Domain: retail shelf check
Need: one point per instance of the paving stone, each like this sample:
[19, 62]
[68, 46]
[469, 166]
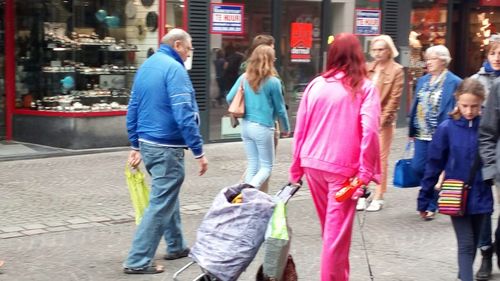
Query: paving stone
[191, 207]
[120, 217]
[98, 219]
[55, 223]
[57, 228]
[77, 221]
[10, 235]
[34, 231]
[81, 225]
[12, 229]
[34, 226]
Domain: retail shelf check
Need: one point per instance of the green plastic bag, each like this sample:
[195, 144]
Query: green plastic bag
[139, 192]
[277, 225]
[277, 244]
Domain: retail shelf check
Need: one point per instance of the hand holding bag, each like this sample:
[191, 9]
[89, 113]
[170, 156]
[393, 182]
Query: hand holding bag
[404, 176]
[453, 195]
[237, 107]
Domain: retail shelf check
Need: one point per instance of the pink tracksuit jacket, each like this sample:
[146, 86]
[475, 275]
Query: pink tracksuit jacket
[337, 131]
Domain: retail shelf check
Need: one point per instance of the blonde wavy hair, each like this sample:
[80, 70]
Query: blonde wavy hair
[260, 66]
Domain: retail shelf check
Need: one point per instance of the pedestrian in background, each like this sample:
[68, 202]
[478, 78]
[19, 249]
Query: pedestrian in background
[263, 102]
[220, 64]
[486, 75]
[268, 40]
[261, 39]
[453, 149]
[163, 121]
[432, 102]
[335, 139]
[388, 76]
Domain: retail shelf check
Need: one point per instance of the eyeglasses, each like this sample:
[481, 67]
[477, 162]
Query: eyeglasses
[495, 38]
[428, 59]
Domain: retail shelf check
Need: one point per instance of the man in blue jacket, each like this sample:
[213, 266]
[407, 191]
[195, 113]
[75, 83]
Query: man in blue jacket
[163, 121]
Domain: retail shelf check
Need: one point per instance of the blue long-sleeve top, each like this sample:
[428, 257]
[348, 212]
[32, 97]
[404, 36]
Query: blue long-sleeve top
[453, 149]
[265, 105]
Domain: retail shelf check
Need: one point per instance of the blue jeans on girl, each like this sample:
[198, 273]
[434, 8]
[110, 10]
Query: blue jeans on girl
[259, 147]
[467, 229]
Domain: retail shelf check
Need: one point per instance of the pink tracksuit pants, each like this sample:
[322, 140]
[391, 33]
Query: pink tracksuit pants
[336, 219]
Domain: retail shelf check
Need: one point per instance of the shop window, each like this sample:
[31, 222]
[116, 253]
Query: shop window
[80, 56]
[228, 51]
[300, 49]
[428, 28]
[484, 22]
[175, 14]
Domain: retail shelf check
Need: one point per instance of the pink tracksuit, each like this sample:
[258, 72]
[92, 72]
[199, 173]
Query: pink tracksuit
[335, 138]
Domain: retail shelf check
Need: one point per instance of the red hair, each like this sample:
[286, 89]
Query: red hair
[345, 55]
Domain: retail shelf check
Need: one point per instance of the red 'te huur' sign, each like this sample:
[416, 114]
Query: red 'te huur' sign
[301, 35]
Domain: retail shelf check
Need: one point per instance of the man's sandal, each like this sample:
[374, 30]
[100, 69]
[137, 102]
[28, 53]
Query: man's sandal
[153, 269]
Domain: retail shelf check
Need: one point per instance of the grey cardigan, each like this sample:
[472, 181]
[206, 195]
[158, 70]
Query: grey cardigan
[489, 132]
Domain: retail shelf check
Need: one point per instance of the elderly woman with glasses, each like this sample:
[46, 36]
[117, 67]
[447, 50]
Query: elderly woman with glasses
[388, 76]
[433, 100]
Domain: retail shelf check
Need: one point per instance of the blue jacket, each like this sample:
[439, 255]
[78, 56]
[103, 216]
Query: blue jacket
[162, 108]
[450, 85]
[453, 149]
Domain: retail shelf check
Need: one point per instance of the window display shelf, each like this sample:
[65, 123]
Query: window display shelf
[56, 113]
[62, 49]
[94, 44]
[58, 71]
[122, 50]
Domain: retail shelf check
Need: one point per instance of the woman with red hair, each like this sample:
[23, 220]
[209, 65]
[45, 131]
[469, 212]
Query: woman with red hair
[336, 145]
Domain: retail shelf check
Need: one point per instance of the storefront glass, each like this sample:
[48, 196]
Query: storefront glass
[80, 56]
[484, 21]
[428, 28]
[228, 51]
[299, 63]
[300, 49]
[175, 13]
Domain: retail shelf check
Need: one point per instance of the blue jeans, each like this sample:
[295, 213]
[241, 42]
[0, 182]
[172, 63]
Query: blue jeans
[485, 237]
[418, 165]
[165, 165]
[467, 229]
[259, 147]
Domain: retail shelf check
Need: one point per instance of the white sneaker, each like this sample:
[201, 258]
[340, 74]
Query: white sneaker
[375, 206]
[361, 205]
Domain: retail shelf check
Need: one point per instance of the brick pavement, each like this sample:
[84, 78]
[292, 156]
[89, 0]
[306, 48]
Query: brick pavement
[70, 218]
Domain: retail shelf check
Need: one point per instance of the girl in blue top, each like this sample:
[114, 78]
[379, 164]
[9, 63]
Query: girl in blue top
[263, 104]
[453, 150]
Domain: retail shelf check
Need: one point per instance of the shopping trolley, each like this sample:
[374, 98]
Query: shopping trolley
[231, 234]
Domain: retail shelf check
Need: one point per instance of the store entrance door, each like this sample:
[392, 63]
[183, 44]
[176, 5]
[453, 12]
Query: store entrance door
[2, 72]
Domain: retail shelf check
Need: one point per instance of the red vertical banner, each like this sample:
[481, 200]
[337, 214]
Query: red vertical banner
[301, 37]
[10, 65]
[162, 20]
